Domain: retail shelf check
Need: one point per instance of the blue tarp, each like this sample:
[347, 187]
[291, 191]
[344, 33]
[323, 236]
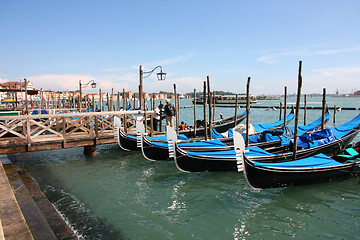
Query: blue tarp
[263, 127]
[230, 132]
[317, 161]
[345, 128]
[36, 111]
[202, 144]
[132, 109]
[268, 136]
[271, 135]
[315, 139]
[312, 125]
[253, 151]
[215, 134]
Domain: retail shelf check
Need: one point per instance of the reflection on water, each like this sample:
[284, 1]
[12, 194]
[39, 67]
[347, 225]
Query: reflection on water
[120, 195]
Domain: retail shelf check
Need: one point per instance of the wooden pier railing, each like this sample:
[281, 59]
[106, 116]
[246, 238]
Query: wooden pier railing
[28, 133]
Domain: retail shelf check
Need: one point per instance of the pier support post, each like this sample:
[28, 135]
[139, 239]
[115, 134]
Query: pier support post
[90, 151]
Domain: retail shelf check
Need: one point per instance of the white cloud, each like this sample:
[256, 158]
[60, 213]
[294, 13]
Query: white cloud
[59, 82]
[275, 57]
[183, 84]
[116, 69]
[71, 82]
[332, 79]
[170, 61]
[3, 80]
[162, 62]
[346, 71]
[335, 51]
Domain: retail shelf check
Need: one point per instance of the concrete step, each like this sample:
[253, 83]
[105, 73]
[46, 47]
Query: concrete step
[36, 221]
[13, 222]
[52, 216]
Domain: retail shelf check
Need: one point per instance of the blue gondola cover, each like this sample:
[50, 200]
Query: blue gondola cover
[317, 161]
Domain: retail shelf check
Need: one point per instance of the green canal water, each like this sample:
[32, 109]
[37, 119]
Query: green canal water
[120, 195]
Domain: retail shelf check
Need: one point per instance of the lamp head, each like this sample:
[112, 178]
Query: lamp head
[161, 75]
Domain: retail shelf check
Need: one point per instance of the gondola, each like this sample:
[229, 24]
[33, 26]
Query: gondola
[315, 169]
[129, 142]
[188, 161]
[221, 125]
[155, 151]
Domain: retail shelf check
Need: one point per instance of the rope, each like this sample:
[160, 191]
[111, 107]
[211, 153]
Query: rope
[354, 161]
[284, 156]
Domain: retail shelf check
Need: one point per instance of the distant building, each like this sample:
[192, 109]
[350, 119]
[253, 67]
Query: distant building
[18, 85]
[357, 93]
[15, 86]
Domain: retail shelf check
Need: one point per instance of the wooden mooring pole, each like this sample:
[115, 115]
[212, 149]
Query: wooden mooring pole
[247, 111]
[323, 109]
[205, 119]
[236, 107]
[194, 112]
[285, 104]
[297, 110]
[210, 106]
[305, 109]
[100, 100]
[213, 102]
[177, 110]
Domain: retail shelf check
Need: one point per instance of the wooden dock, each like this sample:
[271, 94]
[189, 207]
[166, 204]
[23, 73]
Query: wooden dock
[27, 133]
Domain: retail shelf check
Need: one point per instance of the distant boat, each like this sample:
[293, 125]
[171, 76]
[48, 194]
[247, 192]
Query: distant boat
[229, 99]
[268, 97]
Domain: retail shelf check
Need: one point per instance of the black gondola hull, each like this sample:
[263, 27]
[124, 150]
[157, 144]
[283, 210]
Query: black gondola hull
[188, 163]
[127, 143]
[266, 178]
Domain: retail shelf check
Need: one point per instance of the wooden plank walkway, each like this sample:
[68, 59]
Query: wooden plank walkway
[28, 133]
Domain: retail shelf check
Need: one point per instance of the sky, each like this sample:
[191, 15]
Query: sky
[54, 44]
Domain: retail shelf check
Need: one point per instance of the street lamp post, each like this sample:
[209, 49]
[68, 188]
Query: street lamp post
[160, 75]
[93, 85]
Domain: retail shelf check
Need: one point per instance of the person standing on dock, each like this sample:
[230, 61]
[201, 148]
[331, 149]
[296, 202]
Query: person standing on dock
[170, 112]
[156, 118]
